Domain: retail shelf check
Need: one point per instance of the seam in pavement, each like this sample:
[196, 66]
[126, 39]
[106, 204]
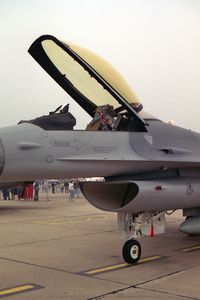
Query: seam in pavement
[56, 239]
[133, 287]
[167, 275]
[167, 293]
[151, 280]
[110, 293]
[59, 270]
[35, 265]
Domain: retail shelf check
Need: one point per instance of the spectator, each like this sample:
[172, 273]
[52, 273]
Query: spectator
[62, 186]
[76, 188]
[36, 190]
[5, 194]
[20, 191]
[66, 184]
[71, 190]
[53, 187]
[46, 189]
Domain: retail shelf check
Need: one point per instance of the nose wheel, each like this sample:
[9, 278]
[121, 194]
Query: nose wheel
[131, 251]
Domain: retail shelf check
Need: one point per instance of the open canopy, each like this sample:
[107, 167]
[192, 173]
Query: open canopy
[86, 77]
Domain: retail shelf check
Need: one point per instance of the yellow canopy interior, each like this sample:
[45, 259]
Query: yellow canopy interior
[82, 80]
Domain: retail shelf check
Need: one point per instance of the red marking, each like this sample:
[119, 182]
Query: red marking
[159, 188]
[152, 230]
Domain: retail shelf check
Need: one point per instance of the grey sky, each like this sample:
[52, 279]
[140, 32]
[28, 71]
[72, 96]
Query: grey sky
[155, 44]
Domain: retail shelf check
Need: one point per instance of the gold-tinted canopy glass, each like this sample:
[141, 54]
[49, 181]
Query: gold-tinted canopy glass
[82, 80]
[89, 79]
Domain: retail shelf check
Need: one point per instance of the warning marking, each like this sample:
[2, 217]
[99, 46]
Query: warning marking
[19, 289]
[119, 266]
[190, 249]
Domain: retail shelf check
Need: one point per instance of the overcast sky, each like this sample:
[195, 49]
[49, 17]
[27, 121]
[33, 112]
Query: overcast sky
[155, 44]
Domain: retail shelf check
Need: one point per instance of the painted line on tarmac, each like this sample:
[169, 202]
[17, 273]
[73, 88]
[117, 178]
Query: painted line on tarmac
[19, 289]
[72, 220]
[120, 266]
[191, 248]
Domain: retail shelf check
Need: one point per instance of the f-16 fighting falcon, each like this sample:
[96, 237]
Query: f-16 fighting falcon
[150, 167]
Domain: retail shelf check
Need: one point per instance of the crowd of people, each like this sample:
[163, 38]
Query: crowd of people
[32, 191]
[11, 193]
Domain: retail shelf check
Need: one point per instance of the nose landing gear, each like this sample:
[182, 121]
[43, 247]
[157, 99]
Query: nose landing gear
[131, 251]
[133, 226]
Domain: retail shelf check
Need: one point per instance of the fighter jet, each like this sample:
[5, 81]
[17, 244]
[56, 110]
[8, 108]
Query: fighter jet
[149, 167]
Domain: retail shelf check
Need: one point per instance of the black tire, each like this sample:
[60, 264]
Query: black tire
[131, 251]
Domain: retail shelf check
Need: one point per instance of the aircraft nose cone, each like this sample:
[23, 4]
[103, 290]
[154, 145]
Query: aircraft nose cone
[2, 156]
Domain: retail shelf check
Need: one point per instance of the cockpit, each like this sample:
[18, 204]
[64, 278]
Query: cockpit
[92, 82]
[105, 119]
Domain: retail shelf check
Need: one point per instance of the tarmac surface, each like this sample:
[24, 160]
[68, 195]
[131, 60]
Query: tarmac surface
[69, 250]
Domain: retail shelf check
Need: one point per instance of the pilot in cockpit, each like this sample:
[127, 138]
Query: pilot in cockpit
[103, 118]
[107, 118]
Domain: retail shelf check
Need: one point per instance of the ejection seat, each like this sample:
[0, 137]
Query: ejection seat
[60, 119]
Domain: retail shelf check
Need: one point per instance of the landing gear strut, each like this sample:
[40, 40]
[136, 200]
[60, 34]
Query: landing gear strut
[131, 251]
[133, 226]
